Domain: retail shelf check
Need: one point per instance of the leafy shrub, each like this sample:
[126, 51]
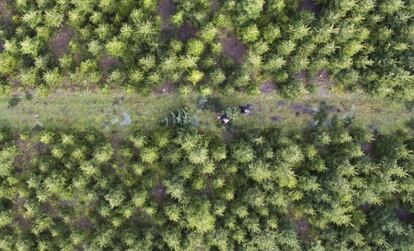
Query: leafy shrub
[14, 101]
[182, 117]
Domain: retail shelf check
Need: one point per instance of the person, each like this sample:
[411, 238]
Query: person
[224, 119]
[246, 109]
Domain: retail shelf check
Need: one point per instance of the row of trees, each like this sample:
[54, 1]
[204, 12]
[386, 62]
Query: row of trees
[331, 186]
[209, 44]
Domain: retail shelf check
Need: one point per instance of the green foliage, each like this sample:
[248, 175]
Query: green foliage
[293, 88]
[230, 46]
[250, 34]
[182, 117]
[195, 47]
[173, 188]
[14, 101]
[195, 76]
[232, 112]
[116, 48]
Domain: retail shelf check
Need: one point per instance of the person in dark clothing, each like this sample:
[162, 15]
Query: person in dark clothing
[246, 109]
[224, 119]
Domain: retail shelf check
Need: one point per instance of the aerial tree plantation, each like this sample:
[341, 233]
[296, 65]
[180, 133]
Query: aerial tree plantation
[209, 44]
[206, 125]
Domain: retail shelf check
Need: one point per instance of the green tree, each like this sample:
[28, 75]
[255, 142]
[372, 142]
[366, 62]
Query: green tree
[116, 48]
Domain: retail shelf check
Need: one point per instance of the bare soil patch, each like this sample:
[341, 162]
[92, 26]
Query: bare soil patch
[302, 109]
[66, 203]
[303, 229]
[159, 192]
[19, 203]
[78, 58]
[49, 209]
[333, 109]
[166, 88]
[19, 220]
[310, 5]
[281, 104]
[323, 81]
[301, 76]
[276, 118]
[5, 13]
[322, 77]
[404, 215]
[367, 148]
[228, 135]
[268, 87]
[25, 156]
[23, 223]
[365, 207]
[233, 47]
[116, 140]
[40, 148]
[166, 8]
[60, 41]
[215, 5]
[118, 100]
[186, 31]
[84, 223]
[108, 63]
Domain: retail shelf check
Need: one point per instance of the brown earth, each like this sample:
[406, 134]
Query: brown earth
[281, 104]
[5, 13]
[365, 207]
[118, 100]
[159, 192]
[66, 203]
[166, 88]
[302, 227]
[276, 118]
[166, 8]
[302, 109]
[333, 109]
[301, 76]
[60, 41]
[23, 223]
[232, 47]
[186, 31]
[303, 230]
[25, 155]
[84, 223]
[215, 5]
[228, 135]
[78, 58]
[323, 81]
[116, 140]
[48, 209]
[404, 215]
[322, 77]
[367, 148]
[108, 63]
[40, 148]
[309, 5]
[268, 87]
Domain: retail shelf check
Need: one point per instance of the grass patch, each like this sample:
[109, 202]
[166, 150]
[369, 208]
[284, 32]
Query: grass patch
[105, 111]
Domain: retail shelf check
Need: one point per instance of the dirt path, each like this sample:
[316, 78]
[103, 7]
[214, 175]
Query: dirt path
[166, 9]
[232, 47]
